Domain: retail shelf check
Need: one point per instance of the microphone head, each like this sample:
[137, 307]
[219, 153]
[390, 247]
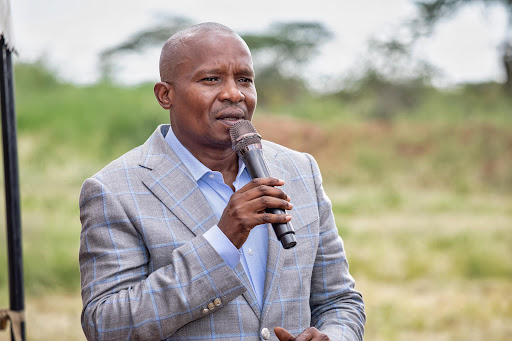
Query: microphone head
[243, 134]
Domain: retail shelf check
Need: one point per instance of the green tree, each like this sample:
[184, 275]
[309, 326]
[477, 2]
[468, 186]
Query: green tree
[432, 11]
[138, 42]
[279, 53]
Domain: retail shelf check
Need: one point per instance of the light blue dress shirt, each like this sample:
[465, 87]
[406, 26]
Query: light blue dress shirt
[253, 254]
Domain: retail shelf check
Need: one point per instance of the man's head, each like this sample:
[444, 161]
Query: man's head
[207, 83]
[172, 53]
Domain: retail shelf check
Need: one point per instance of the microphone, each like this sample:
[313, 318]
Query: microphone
[247, 143]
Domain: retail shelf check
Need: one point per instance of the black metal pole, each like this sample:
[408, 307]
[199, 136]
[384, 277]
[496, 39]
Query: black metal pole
[12, 193]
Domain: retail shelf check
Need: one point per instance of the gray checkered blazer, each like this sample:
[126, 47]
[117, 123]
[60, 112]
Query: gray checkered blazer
[148, 274]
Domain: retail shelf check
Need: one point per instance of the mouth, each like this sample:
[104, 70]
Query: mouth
[230, 118]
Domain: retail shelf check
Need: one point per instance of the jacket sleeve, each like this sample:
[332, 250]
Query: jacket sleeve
[337, 309]
[123, 298]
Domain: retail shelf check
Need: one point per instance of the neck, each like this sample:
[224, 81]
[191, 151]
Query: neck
[217, 157]
[225, 162]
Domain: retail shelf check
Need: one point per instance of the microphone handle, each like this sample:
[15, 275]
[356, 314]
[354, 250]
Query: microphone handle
[257, 167]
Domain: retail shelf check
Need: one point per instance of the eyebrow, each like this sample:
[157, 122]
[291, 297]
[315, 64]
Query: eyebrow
[244, 71]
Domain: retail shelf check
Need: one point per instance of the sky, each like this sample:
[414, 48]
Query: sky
[69, 34]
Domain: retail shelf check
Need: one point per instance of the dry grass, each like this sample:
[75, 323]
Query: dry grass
[438, 310]
[431, 268]
[52, 317]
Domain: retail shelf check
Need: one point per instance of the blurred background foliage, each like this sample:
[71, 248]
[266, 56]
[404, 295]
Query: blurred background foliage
[420, 177]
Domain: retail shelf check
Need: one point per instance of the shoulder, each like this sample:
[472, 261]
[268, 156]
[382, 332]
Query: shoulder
[113, 178]
[136, 162]
[278, 151]
[129, 160]
[289, 160]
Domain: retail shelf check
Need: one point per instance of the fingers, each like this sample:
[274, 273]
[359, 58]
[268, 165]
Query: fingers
[252, 212]
[283, 335]
[310, 333]
[260, 194]
[270, 181]
[313, 334]
[263, 194]
[256, 203]
[262, 203]
[264, 186]
[271, 218]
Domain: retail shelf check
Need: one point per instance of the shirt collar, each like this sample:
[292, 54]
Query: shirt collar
[196, 168]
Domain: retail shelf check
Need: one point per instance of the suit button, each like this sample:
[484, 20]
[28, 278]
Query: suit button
[211, 306]
[205, 311]
[217, 302]
[265, 334]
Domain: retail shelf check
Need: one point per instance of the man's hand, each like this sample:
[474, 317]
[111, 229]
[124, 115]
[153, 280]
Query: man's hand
[309, 334]
[246, 208]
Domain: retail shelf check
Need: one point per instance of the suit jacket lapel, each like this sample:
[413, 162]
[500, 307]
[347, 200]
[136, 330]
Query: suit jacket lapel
[276, 254]
[249, 295]
[173, 184]
[275, 259]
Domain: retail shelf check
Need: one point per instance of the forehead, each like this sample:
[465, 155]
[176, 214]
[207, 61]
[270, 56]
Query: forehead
[215, 49]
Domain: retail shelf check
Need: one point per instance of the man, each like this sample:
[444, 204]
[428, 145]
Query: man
[175, 243]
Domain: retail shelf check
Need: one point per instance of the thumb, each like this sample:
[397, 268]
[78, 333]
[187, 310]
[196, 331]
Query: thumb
[283, 335]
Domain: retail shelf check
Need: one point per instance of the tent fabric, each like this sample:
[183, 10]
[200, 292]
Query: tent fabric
[6, 24]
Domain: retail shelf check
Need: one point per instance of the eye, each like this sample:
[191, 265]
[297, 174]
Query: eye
[246, 80]
[210, 79]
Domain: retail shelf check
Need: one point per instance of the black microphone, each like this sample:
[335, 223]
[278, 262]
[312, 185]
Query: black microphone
[247, 143]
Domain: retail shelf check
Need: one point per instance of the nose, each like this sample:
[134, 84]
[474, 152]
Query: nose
[232, 92]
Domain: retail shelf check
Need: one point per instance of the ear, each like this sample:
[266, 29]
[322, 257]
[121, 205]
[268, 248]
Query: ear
[163, 93]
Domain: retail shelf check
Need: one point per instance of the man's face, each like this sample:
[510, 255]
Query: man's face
[212, 89]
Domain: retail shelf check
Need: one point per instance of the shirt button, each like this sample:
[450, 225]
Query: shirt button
[211, 176]
[205, 311]
[251, 252]
[265, 334]
[211, 306]
[217, 302]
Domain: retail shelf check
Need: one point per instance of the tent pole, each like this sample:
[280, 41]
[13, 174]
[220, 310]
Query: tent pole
[12, 194]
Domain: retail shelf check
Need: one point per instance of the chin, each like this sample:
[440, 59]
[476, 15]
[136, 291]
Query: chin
[224, 141]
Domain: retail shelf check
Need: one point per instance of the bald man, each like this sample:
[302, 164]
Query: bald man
[175, 241]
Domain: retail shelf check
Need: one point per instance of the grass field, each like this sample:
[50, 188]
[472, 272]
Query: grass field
[434, 268]
[423, 202]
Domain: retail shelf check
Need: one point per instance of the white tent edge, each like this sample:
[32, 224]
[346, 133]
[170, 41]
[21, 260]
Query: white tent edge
[6, 25]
